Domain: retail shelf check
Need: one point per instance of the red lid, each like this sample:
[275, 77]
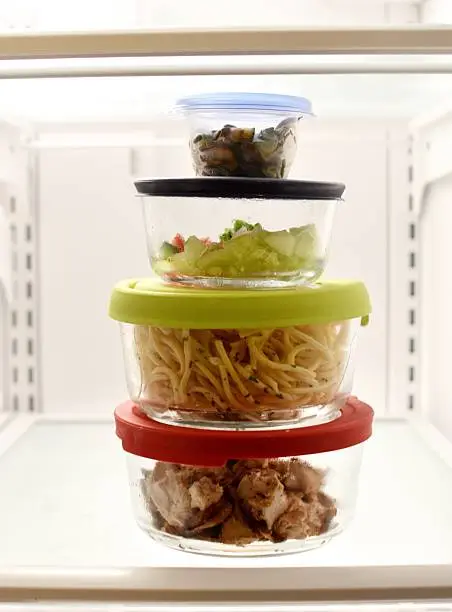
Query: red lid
[206, 447]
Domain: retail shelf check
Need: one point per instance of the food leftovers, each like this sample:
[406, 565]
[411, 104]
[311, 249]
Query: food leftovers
[247, 152]
[245, 250]
[243, 502]
[241, 374]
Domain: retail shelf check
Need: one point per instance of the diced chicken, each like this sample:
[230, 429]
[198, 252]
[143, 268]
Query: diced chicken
[221, 514]
[220, 475]
[316, 517]
[329, 505]
[204, 493]
[236, 531]
[292, 524]
[323, 510]
[263, 495]
[160, 470]
[303, 477]
[242, 502]
[171, 499]
[280, 466]
[248, 465]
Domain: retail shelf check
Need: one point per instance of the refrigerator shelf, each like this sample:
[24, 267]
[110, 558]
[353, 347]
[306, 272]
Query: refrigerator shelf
[411, 40]
[67, 531]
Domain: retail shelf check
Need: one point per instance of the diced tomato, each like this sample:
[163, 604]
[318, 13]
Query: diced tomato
[206, 241]
[178, 242]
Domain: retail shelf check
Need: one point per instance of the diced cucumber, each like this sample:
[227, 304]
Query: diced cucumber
[194, 248]
[162, 266]
[218, 258]
[306, 242]
[177, 264]
[282, 242]
[166, 250]
[252, 253]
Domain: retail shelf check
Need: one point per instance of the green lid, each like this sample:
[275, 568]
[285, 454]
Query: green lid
[149, 302]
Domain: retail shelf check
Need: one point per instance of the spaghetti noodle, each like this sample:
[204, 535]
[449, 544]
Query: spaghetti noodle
[241, 374]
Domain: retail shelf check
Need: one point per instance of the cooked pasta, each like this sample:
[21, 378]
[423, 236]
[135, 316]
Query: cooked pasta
[241, 372]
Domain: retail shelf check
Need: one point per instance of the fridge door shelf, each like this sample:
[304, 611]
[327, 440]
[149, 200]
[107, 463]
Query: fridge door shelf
[67, 530]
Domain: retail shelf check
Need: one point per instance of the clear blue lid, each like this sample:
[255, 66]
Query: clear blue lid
[246, 101]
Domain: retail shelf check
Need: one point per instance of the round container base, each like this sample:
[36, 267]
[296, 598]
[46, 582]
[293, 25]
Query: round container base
[256, 549]
[218, 282]
[302, 417]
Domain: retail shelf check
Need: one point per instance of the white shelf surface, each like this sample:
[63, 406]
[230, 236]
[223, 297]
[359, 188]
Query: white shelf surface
[66, 523]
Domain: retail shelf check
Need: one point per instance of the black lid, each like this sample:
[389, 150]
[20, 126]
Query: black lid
[226, 187]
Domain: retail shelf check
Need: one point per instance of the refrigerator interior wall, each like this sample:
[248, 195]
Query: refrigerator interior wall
[17, 269]
[433, 170]
[78, 230]
[435, 11]
[51, 15]
[436, 306]
[5, 296]
[306, 12]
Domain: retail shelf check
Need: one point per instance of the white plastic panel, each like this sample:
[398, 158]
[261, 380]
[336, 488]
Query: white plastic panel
[50, 15]
[90, 237]
[288, 12]
[5, 250]
[436, 305]
[436, 11]
[17, 268]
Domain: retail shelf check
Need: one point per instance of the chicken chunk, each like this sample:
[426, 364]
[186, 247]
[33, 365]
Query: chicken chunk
[172, 499]
[303, 477]
[292, 524]
[263, 495]
[243, 502]
[236, 531]
[204, 493]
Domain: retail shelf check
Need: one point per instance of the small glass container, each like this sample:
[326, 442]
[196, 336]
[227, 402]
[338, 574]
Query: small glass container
[244, 493]
[239, 359]
[238, 232]
[244, 134]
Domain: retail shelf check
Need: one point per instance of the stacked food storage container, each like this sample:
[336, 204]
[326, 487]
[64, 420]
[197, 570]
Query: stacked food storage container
[241, 433]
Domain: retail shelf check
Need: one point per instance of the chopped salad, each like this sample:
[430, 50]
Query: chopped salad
[243, 250]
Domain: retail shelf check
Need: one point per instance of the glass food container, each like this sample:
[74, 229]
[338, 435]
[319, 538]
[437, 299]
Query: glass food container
[244, 493]
[239, 359]
[244, 134]
[238, 232]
